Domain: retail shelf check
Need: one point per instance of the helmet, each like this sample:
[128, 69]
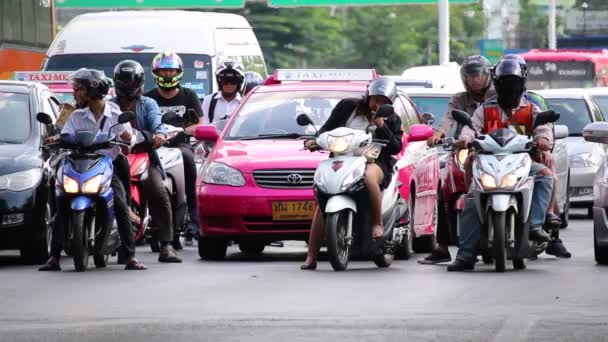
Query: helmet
[167, 60]
[383, 86]
[252, 80]
[230, 70]
[128, 78]
[519, 59]
[509, 80]
[94, 81]
[474, 66]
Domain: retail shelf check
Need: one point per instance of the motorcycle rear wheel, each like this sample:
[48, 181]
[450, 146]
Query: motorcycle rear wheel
[336, 226]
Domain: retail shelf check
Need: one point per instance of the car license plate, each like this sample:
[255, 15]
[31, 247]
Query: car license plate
[292, 210]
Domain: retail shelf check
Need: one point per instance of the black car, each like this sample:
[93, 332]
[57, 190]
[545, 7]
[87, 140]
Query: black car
[25, 212]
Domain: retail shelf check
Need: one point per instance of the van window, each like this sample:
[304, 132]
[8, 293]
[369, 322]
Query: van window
[242, 45]
[197, 68]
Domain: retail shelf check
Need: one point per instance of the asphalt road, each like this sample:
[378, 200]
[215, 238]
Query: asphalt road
[270, 299]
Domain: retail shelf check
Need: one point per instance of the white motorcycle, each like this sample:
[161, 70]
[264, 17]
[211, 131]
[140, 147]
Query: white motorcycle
[339, 184]
[502, 189]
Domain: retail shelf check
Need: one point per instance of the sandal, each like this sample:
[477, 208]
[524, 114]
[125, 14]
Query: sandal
[553, 220]
[309, 266]
[133, 264]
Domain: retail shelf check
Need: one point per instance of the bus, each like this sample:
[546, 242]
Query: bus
[566, 68]
[26, 31]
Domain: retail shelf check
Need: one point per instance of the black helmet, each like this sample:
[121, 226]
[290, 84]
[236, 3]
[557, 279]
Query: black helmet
[519, 59]
[128, 78]
[383, 86]
[252, 80]
[230, 70]
[94, 81]
[509, 80]
[473, 66]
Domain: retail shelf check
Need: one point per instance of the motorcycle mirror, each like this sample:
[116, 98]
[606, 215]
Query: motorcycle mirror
[545, 117]
[304, 120]
[462, 117]
[44, 118]
[385, 110]
[428, 118]
[126, 117]
[171, 117]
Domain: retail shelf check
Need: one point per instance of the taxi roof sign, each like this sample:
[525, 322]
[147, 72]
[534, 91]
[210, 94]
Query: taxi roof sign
[42, 76]
[325, 74]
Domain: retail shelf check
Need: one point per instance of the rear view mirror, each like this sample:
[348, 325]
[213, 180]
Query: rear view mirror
[126, 117]
[171, 118]
[560, 131]
[385, 111]
[545, 117]
[420, 132]
[596, 132]
[462, 117]
[44, 118]
[428, 118]
[304, 120]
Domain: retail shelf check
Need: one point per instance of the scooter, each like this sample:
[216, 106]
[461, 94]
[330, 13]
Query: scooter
[502, 190]
[83, 191]
[339, 184]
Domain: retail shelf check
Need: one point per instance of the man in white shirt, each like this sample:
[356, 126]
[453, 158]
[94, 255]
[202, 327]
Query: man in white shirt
[218, 106]
[90, 86]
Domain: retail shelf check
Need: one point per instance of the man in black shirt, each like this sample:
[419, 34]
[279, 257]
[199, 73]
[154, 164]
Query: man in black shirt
[168, 70]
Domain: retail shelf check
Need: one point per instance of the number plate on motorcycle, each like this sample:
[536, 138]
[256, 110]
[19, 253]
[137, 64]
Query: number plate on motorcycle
[292, 210]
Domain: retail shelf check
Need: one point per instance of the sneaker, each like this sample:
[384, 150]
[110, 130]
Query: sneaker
[51, 265]
[556, 247]
[437, 257]
[167, 254]
[461, 265]
[539, 235]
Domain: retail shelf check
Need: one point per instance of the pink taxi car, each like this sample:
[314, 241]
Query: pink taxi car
[256, 184]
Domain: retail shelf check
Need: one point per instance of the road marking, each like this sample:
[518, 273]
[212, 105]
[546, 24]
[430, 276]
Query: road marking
[515, 329]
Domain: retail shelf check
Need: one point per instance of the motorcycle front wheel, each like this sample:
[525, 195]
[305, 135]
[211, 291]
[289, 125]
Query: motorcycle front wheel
[338, 248]
[79, 243]
[499, 221]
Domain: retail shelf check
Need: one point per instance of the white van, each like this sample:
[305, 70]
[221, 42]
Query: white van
[201, 39]
[440, 76]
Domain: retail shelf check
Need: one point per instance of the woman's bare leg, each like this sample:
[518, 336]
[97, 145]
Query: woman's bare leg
[314, 241]
[373, 178]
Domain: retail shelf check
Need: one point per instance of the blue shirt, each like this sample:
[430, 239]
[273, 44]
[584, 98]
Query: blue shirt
[148, 115]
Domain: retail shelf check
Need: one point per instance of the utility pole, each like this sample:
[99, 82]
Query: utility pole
[551, 29]
[444, 31]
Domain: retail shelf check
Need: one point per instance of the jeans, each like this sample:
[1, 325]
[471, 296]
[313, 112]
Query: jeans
[470, 225]
[190, 176]
[160, 204]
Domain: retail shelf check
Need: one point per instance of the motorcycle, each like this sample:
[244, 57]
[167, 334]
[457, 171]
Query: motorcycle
[83, 191]
[339, 184]
[502, 190]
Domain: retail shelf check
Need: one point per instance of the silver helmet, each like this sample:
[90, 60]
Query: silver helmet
[383, 86]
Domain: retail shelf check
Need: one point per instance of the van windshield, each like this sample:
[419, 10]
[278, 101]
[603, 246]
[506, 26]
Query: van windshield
[197, 68]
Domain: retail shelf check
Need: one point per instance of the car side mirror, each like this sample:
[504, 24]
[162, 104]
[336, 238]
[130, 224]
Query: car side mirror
[44, 118]
[596, 132]
[420, 132]
[206, 133]
[560, 131]
[428, 118]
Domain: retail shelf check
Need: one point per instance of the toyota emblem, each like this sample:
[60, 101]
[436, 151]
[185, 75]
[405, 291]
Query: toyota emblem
[294, 178]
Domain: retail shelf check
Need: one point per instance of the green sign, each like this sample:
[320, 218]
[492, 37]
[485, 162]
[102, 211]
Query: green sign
[493, 49]
[148, 3]
[297, 3]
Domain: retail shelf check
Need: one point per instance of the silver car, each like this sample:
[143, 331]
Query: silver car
[599, 96]
[577, 110]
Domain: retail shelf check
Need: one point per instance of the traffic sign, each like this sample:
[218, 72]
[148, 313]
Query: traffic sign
[493, 49]
[148, 3]
[298, 3]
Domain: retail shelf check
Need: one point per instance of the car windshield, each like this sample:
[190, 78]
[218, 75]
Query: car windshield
[602, 103]
[275, 113]
[64, 97]
[436, 105]
[574, 113]
[197, 68]
[15, 117]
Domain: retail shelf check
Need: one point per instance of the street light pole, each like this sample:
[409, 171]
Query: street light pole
[444, 31]
[584, 5]
[551, 29]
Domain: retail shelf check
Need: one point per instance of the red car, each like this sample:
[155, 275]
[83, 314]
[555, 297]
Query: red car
[256, 184]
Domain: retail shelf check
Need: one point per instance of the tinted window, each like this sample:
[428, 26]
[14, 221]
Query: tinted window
[276, 112]
[602, 102]
[574, 113]
[411, 111]
[437, 106]
[15, 117]
[197, 68]
[400, 110]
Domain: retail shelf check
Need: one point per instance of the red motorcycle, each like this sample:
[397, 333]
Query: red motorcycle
[139, 162]
[454, 187]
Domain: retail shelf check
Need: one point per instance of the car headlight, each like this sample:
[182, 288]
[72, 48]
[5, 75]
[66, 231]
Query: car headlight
[339, 144]
[20, 181]
[487, 181]
[352, 178]
[70, 185]
[222, 174]
[462, 156]
[583, 160]
[92, 185]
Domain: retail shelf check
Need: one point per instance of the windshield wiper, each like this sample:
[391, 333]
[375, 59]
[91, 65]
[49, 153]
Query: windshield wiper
[277, 136]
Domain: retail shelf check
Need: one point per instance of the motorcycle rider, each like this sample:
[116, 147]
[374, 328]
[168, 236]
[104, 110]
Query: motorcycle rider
[363, 114]
[475, 73]
[90, 86]
[252, 80]
[509, 108]
[230, 76]
[128, 85]
[168, 71]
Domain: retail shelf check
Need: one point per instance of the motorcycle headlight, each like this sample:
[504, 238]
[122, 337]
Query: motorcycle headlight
[92, 185]
[222, 174]
[70, 185]
[487, 181]
[20, 181]
[339, 144]
[510, 180]
[462, 156]
[583, 160]
[352, 178]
